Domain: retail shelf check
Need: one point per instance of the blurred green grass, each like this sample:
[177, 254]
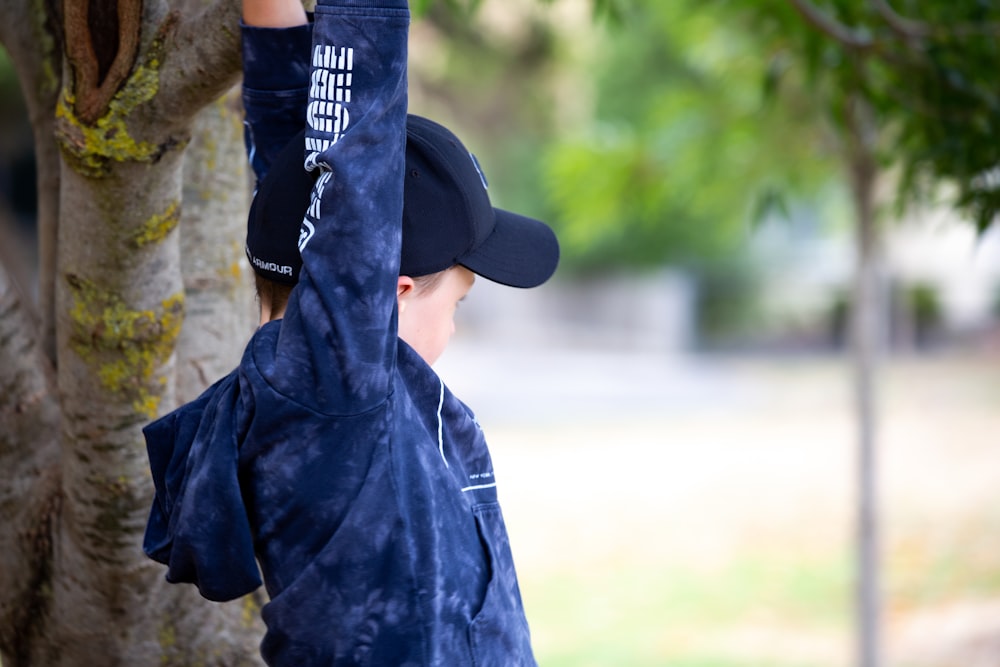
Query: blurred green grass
[756, 611]
[642, 616]
[725, 538]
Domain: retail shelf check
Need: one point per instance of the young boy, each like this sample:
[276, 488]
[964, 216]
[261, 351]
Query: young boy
[334, 456]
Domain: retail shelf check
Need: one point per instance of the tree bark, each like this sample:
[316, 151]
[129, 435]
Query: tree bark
[32, 36]
[867, 338]
[75, 587]
[213, 265]
[29, 492]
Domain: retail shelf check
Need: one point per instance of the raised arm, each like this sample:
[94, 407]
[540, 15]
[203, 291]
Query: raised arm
[276, 41]
[338, 336]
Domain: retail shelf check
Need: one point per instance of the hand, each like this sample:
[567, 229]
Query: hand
[274, 13]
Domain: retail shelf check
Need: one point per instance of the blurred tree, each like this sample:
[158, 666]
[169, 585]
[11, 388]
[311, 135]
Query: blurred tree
[912, 87]
[927, 71]
[689, 110]
[644, 132]
[679, 146]
[17, 181]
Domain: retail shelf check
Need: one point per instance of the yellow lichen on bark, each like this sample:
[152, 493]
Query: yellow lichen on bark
[249, 610]
[156, 228]
[125, 346]
[91, 148]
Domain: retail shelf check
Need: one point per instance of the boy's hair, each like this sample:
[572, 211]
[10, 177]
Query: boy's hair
[429, 281]
[276, 294]
[271, 292]
[448, 219]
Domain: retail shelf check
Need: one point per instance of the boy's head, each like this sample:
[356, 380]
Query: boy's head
[427, 306]
[448, 221]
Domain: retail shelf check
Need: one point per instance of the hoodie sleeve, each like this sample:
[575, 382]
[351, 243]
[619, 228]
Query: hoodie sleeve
[198, 524]
[336, 350]
[275, 88]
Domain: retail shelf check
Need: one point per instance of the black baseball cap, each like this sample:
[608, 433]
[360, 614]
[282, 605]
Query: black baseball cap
[447, 216]
[276, 214]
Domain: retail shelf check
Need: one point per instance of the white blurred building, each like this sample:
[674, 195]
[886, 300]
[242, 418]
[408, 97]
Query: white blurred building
[800, 271]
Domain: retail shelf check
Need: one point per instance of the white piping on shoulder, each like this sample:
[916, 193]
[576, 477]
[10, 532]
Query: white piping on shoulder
[444, 458]
[441, 426]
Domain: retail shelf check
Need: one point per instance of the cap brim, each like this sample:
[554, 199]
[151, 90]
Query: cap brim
[521, 252]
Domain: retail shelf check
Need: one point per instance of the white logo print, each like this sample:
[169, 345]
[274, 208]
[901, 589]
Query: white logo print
[480, 480]
[307, 229]
[264, 265]
[329, 92]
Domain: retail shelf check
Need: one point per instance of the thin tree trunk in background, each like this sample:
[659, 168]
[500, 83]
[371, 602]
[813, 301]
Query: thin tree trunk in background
[866, 344]
[47, 161]
[36, 53]
[29, 496]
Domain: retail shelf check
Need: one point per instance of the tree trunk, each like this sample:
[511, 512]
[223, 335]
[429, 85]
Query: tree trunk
[29, 494]
[220, 310]
[75, 587]
[866, 343]
[36, 50]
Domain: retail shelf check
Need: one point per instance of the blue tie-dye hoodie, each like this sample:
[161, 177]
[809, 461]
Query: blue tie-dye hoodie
[334, 457]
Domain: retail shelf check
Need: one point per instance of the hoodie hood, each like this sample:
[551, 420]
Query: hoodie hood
[198, 524]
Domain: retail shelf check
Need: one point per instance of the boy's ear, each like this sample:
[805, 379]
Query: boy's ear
[404, 290]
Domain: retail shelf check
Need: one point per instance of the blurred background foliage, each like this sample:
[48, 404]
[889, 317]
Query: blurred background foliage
[646, 135]
[926, 68]
[664, 134]
[652, 132]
